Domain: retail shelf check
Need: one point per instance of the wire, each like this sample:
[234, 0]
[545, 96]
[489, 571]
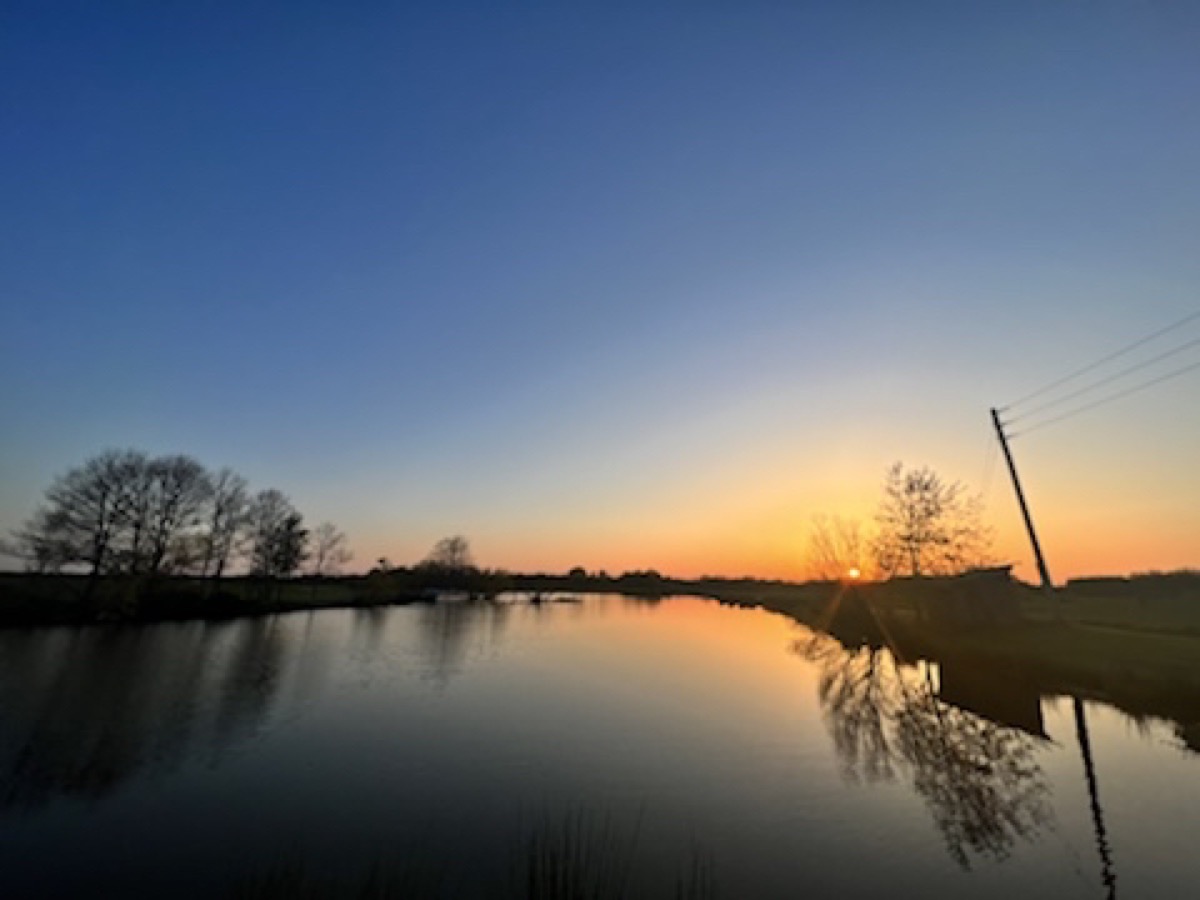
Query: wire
[1125, 393]
[1087, 389]
[1102, 361]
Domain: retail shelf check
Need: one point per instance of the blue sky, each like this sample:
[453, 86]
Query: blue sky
[622, 286]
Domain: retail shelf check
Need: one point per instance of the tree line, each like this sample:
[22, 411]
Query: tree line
[126, 513]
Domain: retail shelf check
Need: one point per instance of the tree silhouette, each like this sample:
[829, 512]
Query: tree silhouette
[128, 521]
[121, 512]
[453, 553]
[329, 550]
[927, 526]
[279, 542]
[837, 547]
[176, 489]
[228, 506]
[82, 516]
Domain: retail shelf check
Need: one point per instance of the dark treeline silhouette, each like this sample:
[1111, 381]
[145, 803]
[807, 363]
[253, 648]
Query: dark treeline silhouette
[130, 537]
[131, 527]
[435, 573]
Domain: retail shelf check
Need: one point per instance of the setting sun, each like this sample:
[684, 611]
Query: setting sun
[854, 574]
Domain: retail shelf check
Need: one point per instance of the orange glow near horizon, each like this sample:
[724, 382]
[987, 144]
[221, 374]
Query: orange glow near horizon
[752, 518]
[772, 544]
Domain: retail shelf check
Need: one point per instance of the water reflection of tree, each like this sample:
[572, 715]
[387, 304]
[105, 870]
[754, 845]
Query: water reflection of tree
[450, 632]
[368, 624]
[87, 710]
[858, 701]
[979, 779]
[89, 722]
[250, 679]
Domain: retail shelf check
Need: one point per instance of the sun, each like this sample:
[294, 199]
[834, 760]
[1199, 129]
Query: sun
[854, 574]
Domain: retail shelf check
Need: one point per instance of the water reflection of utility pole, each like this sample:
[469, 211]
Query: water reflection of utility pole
[1108, 874]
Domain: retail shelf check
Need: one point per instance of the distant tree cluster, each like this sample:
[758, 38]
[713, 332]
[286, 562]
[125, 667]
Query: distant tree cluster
[453, 553]
[451, 566]
[123, 512]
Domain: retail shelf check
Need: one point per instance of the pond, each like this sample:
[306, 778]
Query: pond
[651, 748]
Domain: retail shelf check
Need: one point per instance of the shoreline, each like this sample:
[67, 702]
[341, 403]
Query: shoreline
[968, 606]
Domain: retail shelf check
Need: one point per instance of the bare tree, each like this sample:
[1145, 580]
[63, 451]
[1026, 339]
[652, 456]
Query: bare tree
[927, 526]
[451, 553]
[40, 545]
[278, 539]
[83, 517]
[156, 508]
[179, 488]
[837, 549]
[130, 544]
[123, 513]
[228, 503]
[329, 550]
[120, 512]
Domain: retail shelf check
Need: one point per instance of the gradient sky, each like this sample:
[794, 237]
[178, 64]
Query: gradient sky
[628, 286]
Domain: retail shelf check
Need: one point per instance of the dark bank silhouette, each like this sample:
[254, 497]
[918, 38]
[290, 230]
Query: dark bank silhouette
[1134, 646]
[126, 536]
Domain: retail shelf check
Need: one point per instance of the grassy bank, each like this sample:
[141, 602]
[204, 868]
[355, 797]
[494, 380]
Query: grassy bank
[1165, 604]
[28, 600]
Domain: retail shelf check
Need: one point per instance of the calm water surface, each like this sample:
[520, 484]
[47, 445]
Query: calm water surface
[682, 736]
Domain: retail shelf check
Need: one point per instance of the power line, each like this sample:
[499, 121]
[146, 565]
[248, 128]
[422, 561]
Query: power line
[1125, 393]
[1095, 365]
[1087, 389]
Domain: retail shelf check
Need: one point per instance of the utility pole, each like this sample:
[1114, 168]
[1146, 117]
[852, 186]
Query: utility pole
[1012, 470]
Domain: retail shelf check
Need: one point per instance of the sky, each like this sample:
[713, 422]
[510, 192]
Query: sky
[611, 285]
